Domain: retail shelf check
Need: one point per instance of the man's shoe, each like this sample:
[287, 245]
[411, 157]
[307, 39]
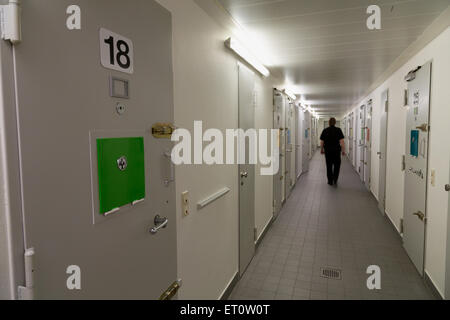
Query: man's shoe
[330, 183]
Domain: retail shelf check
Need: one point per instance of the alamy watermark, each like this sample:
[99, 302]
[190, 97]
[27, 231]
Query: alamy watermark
[236, 146]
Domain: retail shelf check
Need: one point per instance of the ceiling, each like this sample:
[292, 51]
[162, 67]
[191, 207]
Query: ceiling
[323, 48]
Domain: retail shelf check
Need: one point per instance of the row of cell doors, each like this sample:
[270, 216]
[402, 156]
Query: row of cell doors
[293, 127]
[295, 141]
[415, 163]
[359, 140]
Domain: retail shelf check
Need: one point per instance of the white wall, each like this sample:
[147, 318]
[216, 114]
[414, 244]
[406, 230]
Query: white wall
[206, 88]
[438, 51]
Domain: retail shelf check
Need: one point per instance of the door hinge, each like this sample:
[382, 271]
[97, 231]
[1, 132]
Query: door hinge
[406, 98]
[10, 21]
[256, 234]
[401, 226]
[27, 292]
[403, 163]
[171, 291]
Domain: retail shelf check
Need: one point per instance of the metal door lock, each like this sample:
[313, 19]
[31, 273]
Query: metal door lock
[160, 223]
[122, 163]
[447, 187]
[244, 174]
[120, 108]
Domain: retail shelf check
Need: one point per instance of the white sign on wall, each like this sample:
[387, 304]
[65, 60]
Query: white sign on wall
[116, 51]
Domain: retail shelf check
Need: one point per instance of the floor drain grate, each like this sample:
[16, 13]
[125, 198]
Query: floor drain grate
[331, 273]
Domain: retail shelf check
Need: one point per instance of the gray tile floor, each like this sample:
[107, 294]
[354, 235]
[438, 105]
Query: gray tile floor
[323, 226]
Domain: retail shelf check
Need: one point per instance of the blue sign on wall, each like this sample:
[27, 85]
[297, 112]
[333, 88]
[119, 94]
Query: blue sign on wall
[414, 143]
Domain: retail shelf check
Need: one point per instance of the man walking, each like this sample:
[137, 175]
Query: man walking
[332, 143]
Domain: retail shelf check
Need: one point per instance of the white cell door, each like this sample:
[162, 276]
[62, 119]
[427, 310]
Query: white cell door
[298, 142]
[361, 141]
[306, 140]
[66, 106]
[246, 171]
[447, 265]
[290, 141]
[382, 154]
[368, 145]
[278, 177]
[350, 138]
[416, 176]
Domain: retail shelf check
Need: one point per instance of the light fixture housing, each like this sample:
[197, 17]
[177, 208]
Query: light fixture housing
[290, 94]
[242, 52]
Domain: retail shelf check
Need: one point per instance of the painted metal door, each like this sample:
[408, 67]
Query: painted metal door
[361, 141]
[246, 171]
[350, 138]
[416, 176]
[278, 177]
[313, 139]
[298, 141]
[447, 264]
[354, 142]
[306, 140]
[368, 145]
[382, 154]
[289, 148]
[64, 105]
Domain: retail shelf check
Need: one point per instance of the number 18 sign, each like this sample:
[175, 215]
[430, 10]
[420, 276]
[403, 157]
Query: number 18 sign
[116, 51]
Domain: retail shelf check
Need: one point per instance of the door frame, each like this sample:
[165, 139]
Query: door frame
[362, 143]
[368, 145]
[447, 265]
[289, 147]
[13, 213]
[384, 110]
[277, 180]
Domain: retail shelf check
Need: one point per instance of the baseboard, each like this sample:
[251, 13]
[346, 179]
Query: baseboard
[263, 234]
[227, 292]
[430, 284]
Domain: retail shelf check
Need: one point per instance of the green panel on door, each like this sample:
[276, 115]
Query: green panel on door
[120, 182]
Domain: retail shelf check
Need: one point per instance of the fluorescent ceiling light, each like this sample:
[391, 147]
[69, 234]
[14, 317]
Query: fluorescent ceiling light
[290, 94]
[241, 51]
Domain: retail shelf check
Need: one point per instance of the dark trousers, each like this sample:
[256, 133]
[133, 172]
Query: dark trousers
[333, 166]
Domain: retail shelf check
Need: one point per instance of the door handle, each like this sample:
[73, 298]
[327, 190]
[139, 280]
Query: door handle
[447, 187]
[244, 174]
[423, 127]
[160, 223]
[420, 215]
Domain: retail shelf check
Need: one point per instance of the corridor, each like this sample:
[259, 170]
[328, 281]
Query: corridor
[323, 226]
[183, 139]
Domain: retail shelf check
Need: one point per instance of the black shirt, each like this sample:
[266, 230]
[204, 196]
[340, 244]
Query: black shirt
[332, 137]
